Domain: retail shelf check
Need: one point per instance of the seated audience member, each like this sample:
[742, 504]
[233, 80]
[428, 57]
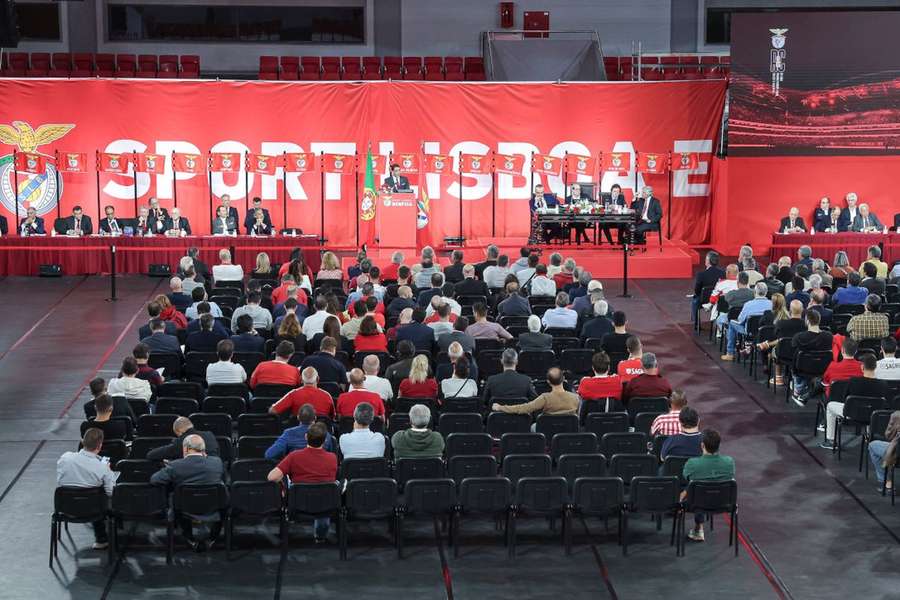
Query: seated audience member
[87, 469]
[773, 284]
[112, 429]
[183, 427]
[315, 322]
[484, 329]
[329, 368]
[649, 384]
[262, 318]
[509, 383]
[459, 336]
[871, 281]
[834, 224]
[369, 338]
[600, 325]
[866, 221]
[871, 323]
[225, 371]
[585, 303]
[128, 385]
[469, 286]
[840, 370]
[206, 339]
[533, 339]
[455, 352]
[888, 368]
[616, 341]
[804, 256]
[159, 341]
[495, 275]
[527, 275]
[445, 297]
[840, 266]
[785, 271]
[225, 270]
[168, 312]
[177, 297]
[541, 285]
[866, 385]
[722, 287]
[522, 261]
[797, 292]
[362, 442]
[560, 316]
[403, 300]
[602, 384]
[812, 339]
[817, 304]
[309, 393]
[821, 269]
[631, 367]
[670, 422]
[491, 259]
[515, 305]
[418, 441]
[419, 383]
[793, 223]
[280, 294]
[246, 339]
[852, 293]
[757, 306]
[374, 383]
[312, 464]
[709, 466]
[687, 442]
[460, 385]
[290, 330]
[392, 271]
[357, 393]
[883, 453]
[442, 325]
[141, 355]
[294, 438]
[330, 269]
[566, 275]
[421, 335]
[426, 273]
[739, 296]
[555, 265]
[399, 371]
[291, 305]
[706, 278]
[198, 296]
[427, 293]
[557, 401]
[277, 371]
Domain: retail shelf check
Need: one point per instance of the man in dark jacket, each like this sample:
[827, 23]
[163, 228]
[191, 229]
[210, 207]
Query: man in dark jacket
[469, 286]
[207, 339]
[183, 427]
[418, 441]
[707, 278]
[421, 335]
[159, 341]
[509, 383]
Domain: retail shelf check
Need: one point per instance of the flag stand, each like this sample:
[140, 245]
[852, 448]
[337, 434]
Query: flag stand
[322, 198]
[209, 180]
[16, 188]
[174, 183]
[356, 190]
[669, 208]
[56, 175]
[97, 158]
[493, 201]
[461, 239]
[284, 173]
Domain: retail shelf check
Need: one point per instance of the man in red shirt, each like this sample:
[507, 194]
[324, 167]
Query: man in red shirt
[649, 384]
[357, 393]
[278, 371]
[844, 369]
[312, 464]
[390, 272]
[602, 385]
[308, 394]
[631, 367]
[283, 291]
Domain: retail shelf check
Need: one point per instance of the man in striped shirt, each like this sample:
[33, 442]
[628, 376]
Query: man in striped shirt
[669, 423]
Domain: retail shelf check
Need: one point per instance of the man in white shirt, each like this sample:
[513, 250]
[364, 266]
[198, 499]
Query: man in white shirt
[374, 383]
[362, 442]
[225, 371]
[560, 316]
[315, 323]
[198, 295]
[225, 271]
[888, 367]
[443, 324]
[128, 385]
[555, 266]
[495, 275]
[262, 318]
[526, 275]
[542, 285]
[87, 469]
[444, 298]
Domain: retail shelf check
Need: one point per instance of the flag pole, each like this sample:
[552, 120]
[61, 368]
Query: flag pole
[669, 209]
[493, 195]
[57, 176]
[134, 168]
[16, 188]
[460, 199]
[284, 173]
[209, 184]
[175, 182]
[356, 190]
[565, 172]
[322, 197]
[97, 160]
[246, 184]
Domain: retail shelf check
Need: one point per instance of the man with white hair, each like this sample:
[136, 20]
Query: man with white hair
[649, 211]
[566, 274]
[362, 442]
[390, 271]
[177, 297]
[820, 269]
[469, 286]
[492, 254]
[867, 221]
[849, 214]
[458, 335]
[225, 271]
[793, 223]
[455, 351]
[374, 383]
[309, 393]
[804, 256]
[533, 339]
[178, 225]
[418, 441]
[873, 256]
[600, 325]
[560, 315]
[585, 303]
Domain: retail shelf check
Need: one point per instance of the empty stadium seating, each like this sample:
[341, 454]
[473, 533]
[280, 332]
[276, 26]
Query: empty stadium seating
[356, 68]
[85, 64]
[667, 67]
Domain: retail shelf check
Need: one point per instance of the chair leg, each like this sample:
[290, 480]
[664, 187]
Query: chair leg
[567, 532]
[399, 534]
[624, 533]
[229, 533]
[52, 541]
[818, 416]
[837, 437]
[110, 534]
[170, 541]
[734, 524]
[454, 531]
[511, 532]
[343, 538]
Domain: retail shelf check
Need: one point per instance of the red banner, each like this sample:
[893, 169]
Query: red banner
[344, 118]
[580, 165]
[299, 162]
[513, 164]
[438, 163]
[225, 162]
[475, 164]
[188, 163]
[654, 163]
[338, 163]
[262, 163]
[71, 162]
[409, 162]
[114, 163]
[682, 161]
[379, 164]
[30, 162]
[617, 162]
[546, 164]
[151, 163]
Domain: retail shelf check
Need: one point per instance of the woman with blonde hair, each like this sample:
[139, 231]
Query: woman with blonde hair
[263, 266]
[778, 313]
[419, 384]
[291, 330]
[331, 267]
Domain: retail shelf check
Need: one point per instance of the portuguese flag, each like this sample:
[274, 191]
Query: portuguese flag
[368, 204]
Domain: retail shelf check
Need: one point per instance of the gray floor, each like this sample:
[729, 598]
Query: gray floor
[811, 527]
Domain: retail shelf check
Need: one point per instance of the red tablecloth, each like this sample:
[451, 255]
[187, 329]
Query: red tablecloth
[91, 255]
[826, 245]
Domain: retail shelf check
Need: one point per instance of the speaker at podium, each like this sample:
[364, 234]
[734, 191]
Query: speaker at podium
[396, 217]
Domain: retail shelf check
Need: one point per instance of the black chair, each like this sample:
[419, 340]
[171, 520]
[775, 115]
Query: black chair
[364, 468]
[499, 423]
[158, 425]
[251, 469]
[177, 406]
[629, 466]
[432, 497]
[647, 405]
[417, 468]
[462, 405]
[248, 360]
[219, 424]
[75, 505]
[310, 501]
[878, 423]
[577, 361]
[271, 390]
[811, 364]
[258, 425]
[142, 445]
[139, 406]
[136, 470]
[562, 344]
[522, 443]
[488, 362]
[228, 389]
[203, 503]
[195, 364]
[140, 502]
[168, 361]
[481, 495]
[450, 423]
[657, 496]
[396, 422]
[467, 444]
[711, 497]
[402, 405]
[535, 363]
[253, 501]
[643, 421]
[601, 423]
[673, 466]
[857, 411]
[368, 499]
[261, 404]
[477, 465]
[254, 446]
[226, 449]
[572, 443]
[539, 496]
[837, 394]
[573, 466]
[623, 443]
[602, 497]
[114, 450]
[180, 389]
[553, 425]
[516, 466]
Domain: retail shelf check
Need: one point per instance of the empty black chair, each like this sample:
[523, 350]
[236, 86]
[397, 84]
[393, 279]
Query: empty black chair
[516, 466]
[650, 405]
[417, 468]
[878, 423]
[711, 497]
[462, 405]
[253, 501]
[271, 390]
[488, 362]
[114, 450]
[463, 466]
[657, 496]
[253, 424]
[158, 425]
[168, 361]
[228, 389]
[261, 404]
[180, 389]
[251, 469]
[450, 423]
[177, 406]
[857, 411]
[602, 497]
[481, 495]
[431, 497]
[142, 445]
[577, 361]
[368, 499]
[226, 449]
[573, 466]
[643, 421]
[623, 443]
[572, 443]
[522, 443]
[195, 364]
[539, 496]
[601, 423]
[75, 505]
[551, 425]
[139, 406]
[310, 501]
[233, 406]
[499, 423]
[396, 422]
[629, 466]
[136, 470]
[254, 446]
[365, 468]
[203, 503]
[458, 444]
[140, 502]
[535, 363]
[248, 360]
[219, 424]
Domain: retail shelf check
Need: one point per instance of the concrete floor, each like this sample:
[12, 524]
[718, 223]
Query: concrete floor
[811, 527]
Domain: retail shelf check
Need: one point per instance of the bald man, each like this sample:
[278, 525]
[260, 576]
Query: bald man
[793, 223]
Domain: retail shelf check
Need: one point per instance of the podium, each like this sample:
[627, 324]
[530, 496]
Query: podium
[396, 217]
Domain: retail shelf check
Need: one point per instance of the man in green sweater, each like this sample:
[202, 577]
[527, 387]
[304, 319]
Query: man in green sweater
[418, 441]
[710, 466]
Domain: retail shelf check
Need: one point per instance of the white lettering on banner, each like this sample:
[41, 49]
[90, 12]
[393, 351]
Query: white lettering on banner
[432, 180]
[333, 180]
[483, 185]
[505, 182]
[557, 185]
[219, 186]
[270, 184]
[125, 192]
[164, 179]
[610, 178]
[680, 184]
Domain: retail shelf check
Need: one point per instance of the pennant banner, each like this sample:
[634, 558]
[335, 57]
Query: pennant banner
[617, 162]
[188, 163]
[225, 162]
[71, 162]
[512, 164]
[580, 165]
[298, 162]
[30, 162]
[546, 164]
[648, 162]
[150, 163]
[338, 163]
[682, 161]
[475, 163]
[378, 162]
[409, 162]
[261, 163]
[438, 163]
[114, 163]
[369, 203]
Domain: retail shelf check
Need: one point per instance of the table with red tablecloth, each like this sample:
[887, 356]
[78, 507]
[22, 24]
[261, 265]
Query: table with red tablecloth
[826, 245]
[92, 255]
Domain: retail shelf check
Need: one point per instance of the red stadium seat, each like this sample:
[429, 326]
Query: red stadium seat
[652, 74]
[331, 70]
[650, 60]
[392, 60]
[672, 75]
[40, 65]
[431, 61]
[475, 76]
[666, 60]
[351, 61]
[434, 72]
[453, 68]
[725, 59]
[413, 73]
[168, 59]
[689, 59]
[190, 66]
[392, 71]
[16, 65]
[474, 62]
[62, 64]
[268, 67]
[82, 64]
[371, 67]
[310, 68]
[709, 59]
[104, 65]
[331, 61]
[147, 66]
[290, 68]
[167, 70]
[126, 65]
[352, 71]
[412, 63]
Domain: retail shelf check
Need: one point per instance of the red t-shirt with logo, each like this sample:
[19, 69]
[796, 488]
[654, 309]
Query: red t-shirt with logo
[629, 369]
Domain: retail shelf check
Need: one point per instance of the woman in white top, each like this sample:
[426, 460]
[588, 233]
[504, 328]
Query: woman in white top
[460, 385]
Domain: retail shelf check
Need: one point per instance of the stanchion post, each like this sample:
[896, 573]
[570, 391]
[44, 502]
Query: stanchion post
[493, 196]
[209, 182]
[625, 293]
[97, 158]
[356, 191]
[134, 169]
[246, 185]
[112, 274]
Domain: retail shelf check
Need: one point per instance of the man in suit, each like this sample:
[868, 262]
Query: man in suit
[649, 211]
[615, 198]
[250, 219]
[600, 325]
[142, 222]
[492, 255]
[421, 335]
[259, 225]
[208, 337]
[469, 286]
[533, 339]
[159, 341]
[110, 224]
[78, 222]
[178, 224]
[183, 427]
[707, 278]
[425, 296]
[822, 215]
[871, 281]
[454, 272]
[158, 216]
[32, 224]
[199, 266]
[223, 224]
[153, 312]
[850, 212]
[515, 304]
[541, 201]
[196, 468]
[866, 221]
[231, 211]
[246, 339]
[396, 182]
[833, 223]
[576, 197]
[793, 223]
[509, 383]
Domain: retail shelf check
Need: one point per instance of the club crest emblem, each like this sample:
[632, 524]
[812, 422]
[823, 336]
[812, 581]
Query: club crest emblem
[548, 164]
[226, 163]
[407, 163]
[439, 165]
[582, 164]
[508, 165]
[38, 190]
[476, 164]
